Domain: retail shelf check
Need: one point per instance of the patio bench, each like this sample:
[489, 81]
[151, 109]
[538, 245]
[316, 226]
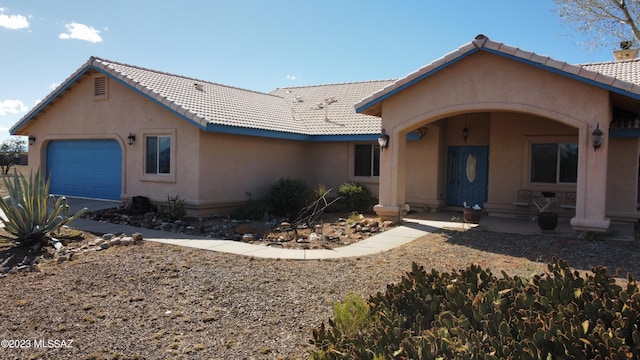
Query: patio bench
[523, 204]
[569, 201]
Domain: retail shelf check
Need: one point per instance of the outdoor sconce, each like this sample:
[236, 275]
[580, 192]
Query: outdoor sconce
[131, 138]
[383, 140]
[32, 139]
[597, 135]
[465, 134]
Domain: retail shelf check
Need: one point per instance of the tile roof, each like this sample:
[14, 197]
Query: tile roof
[625, 70]
[621, 76]
[206, 103]
[328, 109]
[319, 110]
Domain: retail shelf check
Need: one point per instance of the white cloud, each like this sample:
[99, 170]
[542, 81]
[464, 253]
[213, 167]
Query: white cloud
[291, 77]
[81, 32]
[11, 107]
[13, 22]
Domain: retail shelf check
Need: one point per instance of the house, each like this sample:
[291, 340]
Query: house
[477, 126]
[115, 131]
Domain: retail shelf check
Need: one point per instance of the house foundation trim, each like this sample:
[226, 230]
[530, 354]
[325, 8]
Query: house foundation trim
[392, 213]
[580, 224]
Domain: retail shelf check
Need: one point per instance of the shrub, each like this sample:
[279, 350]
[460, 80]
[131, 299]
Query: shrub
[356, 197]
[471, 314]
[351, 314]
[288, 196]
[31, 212]
[173, 209]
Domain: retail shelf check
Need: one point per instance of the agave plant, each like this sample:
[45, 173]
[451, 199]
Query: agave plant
[30, 213]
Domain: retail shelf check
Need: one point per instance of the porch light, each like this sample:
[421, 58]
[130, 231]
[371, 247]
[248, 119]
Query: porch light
[597, 135]
[465, 133]
[383, 140]
[32, 139]
[131, 138]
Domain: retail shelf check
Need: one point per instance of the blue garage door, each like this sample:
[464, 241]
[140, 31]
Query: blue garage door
[85, 168]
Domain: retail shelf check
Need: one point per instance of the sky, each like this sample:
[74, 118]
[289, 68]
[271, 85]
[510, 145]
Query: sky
[257, 44]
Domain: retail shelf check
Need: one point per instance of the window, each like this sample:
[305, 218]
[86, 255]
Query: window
[367, 160]
[158, 155]
[554, 163]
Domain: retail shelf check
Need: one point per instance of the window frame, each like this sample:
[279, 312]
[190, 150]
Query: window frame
[353, 161]
[558, 142]
[159, 177]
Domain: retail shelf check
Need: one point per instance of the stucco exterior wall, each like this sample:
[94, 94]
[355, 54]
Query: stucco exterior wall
[509, 156]
[622, 179]
[233, 166]
[425, 186]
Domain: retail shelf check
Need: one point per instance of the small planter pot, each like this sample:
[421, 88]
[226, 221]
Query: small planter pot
[471, 216]
[547, 220]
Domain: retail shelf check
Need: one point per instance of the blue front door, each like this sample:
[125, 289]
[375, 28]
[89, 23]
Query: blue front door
[467, 175]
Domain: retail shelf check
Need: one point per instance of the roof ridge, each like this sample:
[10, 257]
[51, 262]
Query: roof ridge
[107, 61]
[333, 84]
[609, 62]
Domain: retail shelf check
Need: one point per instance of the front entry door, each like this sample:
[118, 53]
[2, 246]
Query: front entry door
[467, 174]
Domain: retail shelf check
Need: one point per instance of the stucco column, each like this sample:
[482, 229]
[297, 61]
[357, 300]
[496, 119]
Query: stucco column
[392, 178]
[591, 189]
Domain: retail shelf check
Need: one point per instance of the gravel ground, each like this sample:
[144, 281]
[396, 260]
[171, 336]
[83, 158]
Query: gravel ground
[155, 301]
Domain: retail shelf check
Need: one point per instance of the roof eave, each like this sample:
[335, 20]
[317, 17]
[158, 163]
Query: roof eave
[20, 124]
[371, 105]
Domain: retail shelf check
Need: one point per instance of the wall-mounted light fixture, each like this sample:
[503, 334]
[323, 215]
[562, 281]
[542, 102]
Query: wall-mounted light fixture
[597, 136]
[383, 140]
[32, 139]
[465, 130]
[131, 138]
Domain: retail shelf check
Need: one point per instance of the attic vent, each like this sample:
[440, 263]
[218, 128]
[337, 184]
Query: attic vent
[100, 86]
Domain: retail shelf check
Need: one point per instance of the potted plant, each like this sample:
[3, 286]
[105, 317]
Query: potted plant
[471, 215]
[547, 220]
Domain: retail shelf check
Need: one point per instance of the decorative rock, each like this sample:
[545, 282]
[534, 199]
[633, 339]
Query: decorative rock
[58, 245]
[244, 229]
[104, 245]
[62, 258]
[247, 237]
[387, 223]
[374, 224]
[107, 236]
[136, 237]
[358, 228]
[116, 241]
[126, 241]
[313, 237]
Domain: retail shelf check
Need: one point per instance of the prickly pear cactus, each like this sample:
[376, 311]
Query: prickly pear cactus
[472, 314]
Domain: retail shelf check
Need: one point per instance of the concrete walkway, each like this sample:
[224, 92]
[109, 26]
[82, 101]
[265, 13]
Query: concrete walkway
[413, 228]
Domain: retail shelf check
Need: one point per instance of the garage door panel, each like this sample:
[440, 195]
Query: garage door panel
[86, 168]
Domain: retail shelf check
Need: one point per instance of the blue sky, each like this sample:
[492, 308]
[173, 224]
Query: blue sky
[259, 45]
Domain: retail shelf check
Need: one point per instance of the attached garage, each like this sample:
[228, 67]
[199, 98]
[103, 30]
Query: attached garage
[85, 168]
